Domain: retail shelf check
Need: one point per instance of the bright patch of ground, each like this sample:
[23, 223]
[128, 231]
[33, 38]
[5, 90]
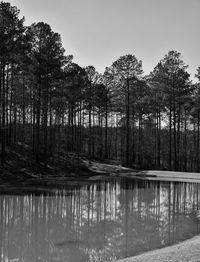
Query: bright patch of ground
[187, 251]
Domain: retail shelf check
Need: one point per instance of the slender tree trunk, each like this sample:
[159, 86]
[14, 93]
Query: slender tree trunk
[170, 135]
[133, 135]
[72, 127]
[23, 111]
[99, 133]
[174, 131]
[11, 107]
[156, 140]
[198, 137]
[38, 121]
[159, 138]
[127, 123]
[93, 134]
[50, 124]
[46, 121]
[33, 123]
[195, 147]
[6, 106]
[15, 116]
[106, 129]
[90, 123]
[79, 130]
[178, 136]
[140, 151]
[3, 117]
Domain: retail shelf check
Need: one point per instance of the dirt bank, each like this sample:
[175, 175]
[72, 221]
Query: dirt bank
[21, 167]
[188, 250]
[157, 175]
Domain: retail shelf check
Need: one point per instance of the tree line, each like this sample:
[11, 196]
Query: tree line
[53, 105]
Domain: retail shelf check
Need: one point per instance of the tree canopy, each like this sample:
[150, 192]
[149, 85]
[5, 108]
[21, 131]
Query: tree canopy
[54, 106]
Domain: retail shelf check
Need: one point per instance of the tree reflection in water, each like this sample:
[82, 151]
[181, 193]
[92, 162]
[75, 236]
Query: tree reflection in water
[97, 222]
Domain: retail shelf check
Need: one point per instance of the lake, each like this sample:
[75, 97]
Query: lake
[96, 221]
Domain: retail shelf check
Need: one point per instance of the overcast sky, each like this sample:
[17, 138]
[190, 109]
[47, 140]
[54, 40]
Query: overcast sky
[97, 32]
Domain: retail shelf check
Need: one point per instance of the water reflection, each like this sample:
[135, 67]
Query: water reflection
[97, 222]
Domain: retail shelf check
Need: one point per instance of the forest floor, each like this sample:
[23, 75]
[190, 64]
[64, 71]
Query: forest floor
[22, 170]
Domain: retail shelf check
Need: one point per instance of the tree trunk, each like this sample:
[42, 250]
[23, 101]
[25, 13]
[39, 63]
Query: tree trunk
[159, 138]
[106, 130]
[198, 136]
[127, 123]
[3, 117]
[46, 120]
[170, 135]
[90, 124]
[38, 121]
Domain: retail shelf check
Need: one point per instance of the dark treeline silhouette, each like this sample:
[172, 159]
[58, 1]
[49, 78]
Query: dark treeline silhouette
[52, 105]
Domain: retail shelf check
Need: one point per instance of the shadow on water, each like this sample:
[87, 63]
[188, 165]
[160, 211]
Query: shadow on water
[99, 221]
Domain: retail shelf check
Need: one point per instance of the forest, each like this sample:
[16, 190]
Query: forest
[52, 105]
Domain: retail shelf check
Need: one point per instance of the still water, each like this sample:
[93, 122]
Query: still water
[99, 221]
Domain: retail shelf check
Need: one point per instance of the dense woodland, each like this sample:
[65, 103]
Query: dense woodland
[53, 106]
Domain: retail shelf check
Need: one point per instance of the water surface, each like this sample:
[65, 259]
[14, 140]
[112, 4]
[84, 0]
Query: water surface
[98, 221]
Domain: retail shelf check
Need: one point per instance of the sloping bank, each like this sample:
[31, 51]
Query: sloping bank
[188, 250]
[157, 175]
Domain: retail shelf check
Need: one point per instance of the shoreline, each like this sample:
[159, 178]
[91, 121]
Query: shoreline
[186, 251]
[154, 175]
[21, 169]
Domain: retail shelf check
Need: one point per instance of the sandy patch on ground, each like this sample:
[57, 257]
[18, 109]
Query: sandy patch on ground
[186, 251]
[157, 175]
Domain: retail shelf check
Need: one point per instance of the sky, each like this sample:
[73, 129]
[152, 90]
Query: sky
[98, 32]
